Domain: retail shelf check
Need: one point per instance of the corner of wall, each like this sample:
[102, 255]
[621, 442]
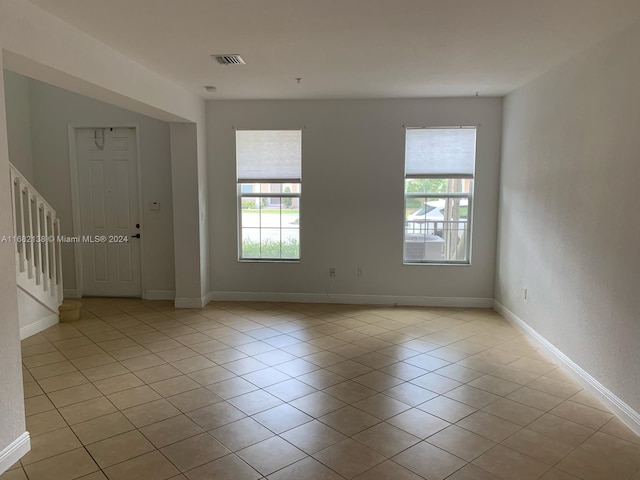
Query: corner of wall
[14, 451]
[624, 412]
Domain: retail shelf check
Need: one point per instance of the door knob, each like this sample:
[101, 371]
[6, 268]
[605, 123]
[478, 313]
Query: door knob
[137, 235]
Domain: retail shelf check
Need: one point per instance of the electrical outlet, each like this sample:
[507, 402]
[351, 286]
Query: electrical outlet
[332, 272]
[360, 272]
[524, 293]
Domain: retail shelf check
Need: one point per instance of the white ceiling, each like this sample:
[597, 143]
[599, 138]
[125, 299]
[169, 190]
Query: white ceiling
[349, 48]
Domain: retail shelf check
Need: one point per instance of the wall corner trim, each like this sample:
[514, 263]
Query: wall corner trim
[197, 302]
[624, 412]
[37, 327]
[14, 452]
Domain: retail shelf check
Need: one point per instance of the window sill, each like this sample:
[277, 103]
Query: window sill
[268, 260]
[441, 264]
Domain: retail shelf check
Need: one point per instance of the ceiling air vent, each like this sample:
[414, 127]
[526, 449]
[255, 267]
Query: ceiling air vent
[229, 59]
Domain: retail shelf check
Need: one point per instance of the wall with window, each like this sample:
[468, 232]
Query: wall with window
[568, 230]
[352, 212]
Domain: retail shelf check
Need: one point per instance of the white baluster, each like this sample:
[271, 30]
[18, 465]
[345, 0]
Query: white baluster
[54, 263]
[13, 199]
[20, 231]
[59, 260]
[30, 246]
[38, 246]
[45, 263]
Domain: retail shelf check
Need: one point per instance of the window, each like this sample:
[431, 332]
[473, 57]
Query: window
[438, 194]
[269, 174]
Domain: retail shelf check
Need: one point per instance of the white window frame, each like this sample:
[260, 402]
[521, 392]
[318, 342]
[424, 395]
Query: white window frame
[260, 195]
[428, 196]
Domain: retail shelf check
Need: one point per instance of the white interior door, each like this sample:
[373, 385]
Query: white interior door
[109, 211]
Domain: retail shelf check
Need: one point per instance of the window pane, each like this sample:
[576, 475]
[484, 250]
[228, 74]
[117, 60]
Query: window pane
[250, 243]
[290, 243]
[270, 224]
[437, 185]
[437, 229]
[270, 212]
[250, 212]
[275, 188]
[423, 247]
[270, 245]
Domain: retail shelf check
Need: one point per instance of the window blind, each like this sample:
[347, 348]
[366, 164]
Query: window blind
[440, 152]
[269, 155]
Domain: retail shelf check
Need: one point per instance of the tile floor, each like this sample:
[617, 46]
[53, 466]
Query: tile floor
[140, 390]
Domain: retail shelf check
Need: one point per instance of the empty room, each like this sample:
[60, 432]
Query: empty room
[296, 240]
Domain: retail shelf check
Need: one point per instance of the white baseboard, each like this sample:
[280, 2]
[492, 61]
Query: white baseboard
[624, 412]
[192, 302]
[37, 327]
[352, 299]
[14, 452]
[70, 293]
[159, 295]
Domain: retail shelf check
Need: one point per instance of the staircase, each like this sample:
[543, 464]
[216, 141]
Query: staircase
[38, 257]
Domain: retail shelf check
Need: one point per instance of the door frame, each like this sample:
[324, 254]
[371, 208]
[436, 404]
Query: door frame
[75, 199]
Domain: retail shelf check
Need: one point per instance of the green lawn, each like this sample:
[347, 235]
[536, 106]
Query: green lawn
[271, 249]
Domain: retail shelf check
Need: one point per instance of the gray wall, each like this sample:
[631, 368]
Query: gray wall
[19, 125]
[12, 423]
[570, 179]
[352, 201]
[51, 111]
[188, 263]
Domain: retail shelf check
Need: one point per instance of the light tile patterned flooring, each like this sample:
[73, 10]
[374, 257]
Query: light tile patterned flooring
[140, 390]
